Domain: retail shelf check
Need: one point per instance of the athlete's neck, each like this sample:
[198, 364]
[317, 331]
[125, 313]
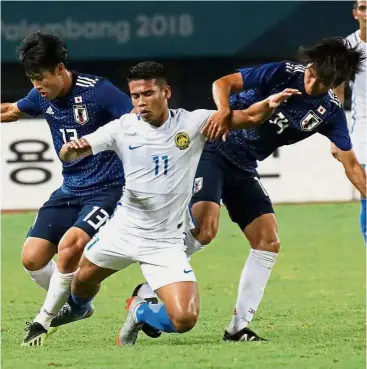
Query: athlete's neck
[161, 120]
[362, 34]
[68, 82]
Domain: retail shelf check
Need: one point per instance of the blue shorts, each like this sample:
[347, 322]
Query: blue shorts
[63, 211]
[241, 192]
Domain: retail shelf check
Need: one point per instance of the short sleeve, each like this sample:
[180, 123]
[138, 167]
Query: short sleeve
[30, 104]
[104, 137]
[201, 116]
[337, 131]
[263, 75]
[110, 98]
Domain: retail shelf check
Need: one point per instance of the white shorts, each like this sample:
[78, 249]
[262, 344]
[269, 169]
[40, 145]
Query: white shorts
[161, 264]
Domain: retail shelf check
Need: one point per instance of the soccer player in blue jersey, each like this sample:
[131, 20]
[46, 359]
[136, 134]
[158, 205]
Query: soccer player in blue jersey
[74, 105]
[227, 170]
[359, 108]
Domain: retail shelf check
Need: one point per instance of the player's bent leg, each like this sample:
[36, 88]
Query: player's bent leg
[70, 250]
[181, 302]
[205, 203]
[169, 273]
[177, 314]
[85, 286]
[262, 233]
[206, 216]
[37, 260]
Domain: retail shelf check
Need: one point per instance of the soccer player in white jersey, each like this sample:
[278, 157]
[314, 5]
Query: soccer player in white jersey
[160, 149]
[359, 116]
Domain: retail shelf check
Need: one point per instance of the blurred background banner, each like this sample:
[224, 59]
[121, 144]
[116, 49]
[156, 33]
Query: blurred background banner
[31, 170]
[122, 30]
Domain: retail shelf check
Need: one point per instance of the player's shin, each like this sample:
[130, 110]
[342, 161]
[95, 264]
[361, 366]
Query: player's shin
[57, 295]
[43, 276]
[79, 305]
[156, 316]
[253, 281]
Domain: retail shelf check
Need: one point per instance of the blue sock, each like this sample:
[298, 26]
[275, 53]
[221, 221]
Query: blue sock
[156, 316]
[79, 306]
[363, 219]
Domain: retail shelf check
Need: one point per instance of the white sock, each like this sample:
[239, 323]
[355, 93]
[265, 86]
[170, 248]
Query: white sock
[192, 244]
[146, 292]
[254, 278]
[43, 276]
[57, 294]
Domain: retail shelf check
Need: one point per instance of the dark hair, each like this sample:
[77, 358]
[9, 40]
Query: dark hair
[41, 51]
[355, 4]
[147, 70]
[334, 59]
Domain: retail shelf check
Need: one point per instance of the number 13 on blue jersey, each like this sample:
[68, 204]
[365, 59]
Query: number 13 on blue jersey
[157, 161]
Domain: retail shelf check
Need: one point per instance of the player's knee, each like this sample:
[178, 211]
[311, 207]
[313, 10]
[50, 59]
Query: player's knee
[207, 232]
[33, 262]
[70, 252]
[184, 322]
[75, 244]
[269, 242]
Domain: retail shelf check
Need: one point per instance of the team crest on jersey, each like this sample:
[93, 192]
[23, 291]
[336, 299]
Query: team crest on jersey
[182, 140]
[198, 184]
[80, 114]
[310, 121]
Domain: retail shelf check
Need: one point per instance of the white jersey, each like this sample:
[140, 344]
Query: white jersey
[159, 165]
[359, 116]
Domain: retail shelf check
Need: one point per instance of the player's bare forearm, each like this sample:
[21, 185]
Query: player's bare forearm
[261, 111]
[224, 87]
[9, 112]
[357, 175]
[354, 171]
[74, 150]
[254, 116]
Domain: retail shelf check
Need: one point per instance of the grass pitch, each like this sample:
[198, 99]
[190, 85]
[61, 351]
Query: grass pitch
[313, 311]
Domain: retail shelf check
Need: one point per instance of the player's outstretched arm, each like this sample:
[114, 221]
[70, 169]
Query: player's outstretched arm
[354, 171]
[261, 111]
[76, 149]
[10, 112]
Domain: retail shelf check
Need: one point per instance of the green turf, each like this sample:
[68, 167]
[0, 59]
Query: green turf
[313, 310]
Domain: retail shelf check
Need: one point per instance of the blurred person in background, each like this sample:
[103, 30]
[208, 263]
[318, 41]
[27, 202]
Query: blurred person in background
[359, 116]
[73, 104]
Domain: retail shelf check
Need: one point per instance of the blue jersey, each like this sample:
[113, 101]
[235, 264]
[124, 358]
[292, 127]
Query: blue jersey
[91, 103]
[300, 117]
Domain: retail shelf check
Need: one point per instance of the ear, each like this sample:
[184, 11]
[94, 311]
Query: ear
[60, 68]
[355, 14]
[167, 91]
